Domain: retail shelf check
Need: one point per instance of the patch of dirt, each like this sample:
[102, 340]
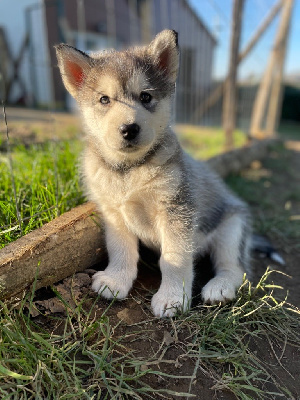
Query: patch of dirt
[282, 193]
[155, 339]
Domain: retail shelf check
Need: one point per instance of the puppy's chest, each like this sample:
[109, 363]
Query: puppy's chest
[139, 200]
[140, 213]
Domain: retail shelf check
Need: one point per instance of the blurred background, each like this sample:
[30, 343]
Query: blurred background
[239, 79]
[30, 28]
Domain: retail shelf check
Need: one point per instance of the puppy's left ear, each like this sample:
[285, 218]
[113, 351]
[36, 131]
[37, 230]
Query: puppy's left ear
[164, 49]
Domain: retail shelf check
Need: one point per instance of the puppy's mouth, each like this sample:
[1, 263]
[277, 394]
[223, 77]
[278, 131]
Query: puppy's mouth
[129, 147]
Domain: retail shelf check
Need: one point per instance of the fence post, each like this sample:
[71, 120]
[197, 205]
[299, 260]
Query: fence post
[272, 71]
[229, 102]
[276, 91]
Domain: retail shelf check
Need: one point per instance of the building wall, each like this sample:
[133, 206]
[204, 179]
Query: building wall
[34, 68]
[192, 35]
[97, 24]
[196, 46]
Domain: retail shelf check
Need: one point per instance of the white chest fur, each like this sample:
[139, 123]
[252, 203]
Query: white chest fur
[138, 198]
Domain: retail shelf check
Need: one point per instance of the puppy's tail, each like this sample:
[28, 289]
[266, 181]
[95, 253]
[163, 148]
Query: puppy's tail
[263, 247]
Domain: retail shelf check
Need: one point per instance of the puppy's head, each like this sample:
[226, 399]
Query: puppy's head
[125, 97]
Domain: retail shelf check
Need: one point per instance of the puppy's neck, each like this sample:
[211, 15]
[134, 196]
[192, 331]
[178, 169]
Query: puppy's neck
[162, 152]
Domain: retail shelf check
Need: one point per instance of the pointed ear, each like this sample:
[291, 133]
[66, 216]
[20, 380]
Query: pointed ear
[164, 49]
[74, 66]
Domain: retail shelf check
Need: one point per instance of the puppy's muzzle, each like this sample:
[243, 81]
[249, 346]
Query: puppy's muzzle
[129, 132]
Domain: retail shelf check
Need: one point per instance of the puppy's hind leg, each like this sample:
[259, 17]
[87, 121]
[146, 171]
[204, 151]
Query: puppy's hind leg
[230, 251]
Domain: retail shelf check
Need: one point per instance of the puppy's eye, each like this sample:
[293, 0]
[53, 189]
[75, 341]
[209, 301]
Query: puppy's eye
[104, 100]
[145, 97]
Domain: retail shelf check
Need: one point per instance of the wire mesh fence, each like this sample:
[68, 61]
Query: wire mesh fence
[29, 76]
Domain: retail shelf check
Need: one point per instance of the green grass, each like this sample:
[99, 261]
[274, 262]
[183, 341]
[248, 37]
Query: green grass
[88, 358]
[46, 182]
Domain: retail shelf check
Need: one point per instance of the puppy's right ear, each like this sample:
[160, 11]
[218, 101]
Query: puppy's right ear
[74, 67]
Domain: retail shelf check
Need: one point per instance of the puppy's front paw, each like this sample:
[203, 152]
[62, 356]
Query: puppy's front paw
[218, 290]
[110, 285]
[165, 304]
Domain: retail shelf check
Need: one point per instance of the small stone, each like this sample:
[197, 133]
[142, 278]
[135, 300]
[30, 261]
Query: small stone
[168, 338]
[124, 315]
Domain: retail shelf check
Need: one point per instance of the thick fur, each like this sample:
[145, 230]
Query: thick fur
[148, 188]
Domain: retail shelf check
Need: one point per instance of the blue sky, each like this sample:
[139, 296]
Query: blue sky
[216, 14]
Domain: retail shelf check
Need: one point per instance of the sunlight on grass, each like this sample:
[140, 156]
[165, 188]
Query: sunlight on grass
[47, 185]
[205, 142]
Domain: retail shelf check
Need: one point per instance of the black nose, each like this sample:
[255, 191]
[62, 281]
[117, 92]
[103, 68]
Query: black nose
[129, 132]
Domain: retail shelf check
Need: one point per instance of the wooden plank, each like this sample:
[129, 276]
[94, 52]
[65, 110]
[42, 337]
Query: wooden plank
[260, 30]
[69, 243]
[75, 240]
[261, 100]
[275, 102]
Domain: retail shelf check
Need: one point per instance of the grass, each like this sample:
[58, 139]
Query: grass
[90, 359]
[46, 183]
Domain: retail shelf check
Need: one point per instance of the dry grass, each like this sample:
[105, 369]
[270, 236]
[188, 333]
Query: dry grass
[90, 359]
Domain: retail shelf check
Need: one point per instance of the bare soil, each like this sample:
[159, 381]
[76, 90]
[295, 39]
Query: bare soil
[29, 126]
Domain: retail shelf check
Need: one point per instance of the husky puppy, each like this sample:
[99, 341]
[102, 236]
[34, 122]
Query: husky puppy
[146, 187]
